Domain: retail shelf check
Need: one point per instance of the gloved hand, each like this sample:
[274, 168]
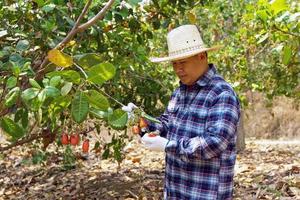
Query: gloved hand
[154, 143]
[129, 108]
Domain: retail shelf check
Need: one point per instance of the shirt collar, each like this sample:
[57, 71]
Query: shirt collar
[206, 78]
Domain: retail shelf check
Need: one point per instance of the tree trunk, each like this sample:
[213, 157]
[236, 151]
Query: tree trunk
[241, 134]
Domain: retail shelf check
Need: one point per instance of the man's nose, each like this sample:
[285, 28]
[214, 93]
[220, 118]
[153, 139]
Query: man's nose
[179, 68]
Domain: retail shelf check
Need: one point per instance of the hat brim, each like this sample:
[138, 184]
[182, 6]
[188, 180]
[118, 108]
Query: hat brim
[184, 55]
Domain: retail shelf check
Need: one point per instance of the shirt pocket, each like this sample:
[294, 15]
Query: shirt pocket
[198, 118]
[173, 108]
[173, 111]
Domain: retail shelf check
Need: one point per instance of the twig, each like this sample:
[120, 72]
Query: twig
[74, 31]
[260, 51]
[20, 142]
[147, 78]
[99, 16]
[285, 32]
[86, 76]
[35, 137]
[83, 72]
[23, 141]
[132, 194]
[79, 28]
[110, 96]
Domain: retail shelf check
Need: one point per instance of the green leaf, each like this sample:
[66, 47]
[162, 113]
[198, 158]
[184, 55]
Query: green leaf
[33, 104]
[49, 7]
[80, 107]
[11, 97]
[278, 6]
[12, 128]
[42, 96]
[66, 88]
[150, 118]
[97, 145]
[45, 82]
[105, 154]
[22, 114]
[62, 101]
[51, 91]
[262, 3]
[22, 45]
[25, 119]
[287, 54]
[11, 82]
[124, 12]
[69, 75]
[97, 100]
[40, 2]
[29, 93]
[18, 114]
[262, 14]
[15, 57]
[16, 70]
[100, 114]
[89, 60]
[134, 3]
[55, 80]
[100, 73]
[118, 119]
[39, 157]
[34, 84]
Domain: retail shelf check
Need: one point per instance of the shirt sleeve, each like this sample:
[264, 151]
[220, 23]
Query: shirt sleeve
[162, 127]
[220, 130]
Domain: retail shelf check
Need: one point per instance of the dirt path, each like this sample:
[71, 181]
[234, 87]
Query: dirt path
[266, 170]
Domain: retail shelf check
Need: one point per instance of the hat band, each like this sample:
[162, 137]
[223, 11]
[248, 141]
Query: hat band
[181, 51]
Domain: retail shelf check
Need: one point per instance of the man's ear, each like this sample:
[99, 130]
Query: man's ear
[201, 56]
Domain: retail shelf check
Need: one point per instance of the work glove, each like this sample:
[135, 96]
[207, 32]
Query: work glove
[129, 109]
[154, 142]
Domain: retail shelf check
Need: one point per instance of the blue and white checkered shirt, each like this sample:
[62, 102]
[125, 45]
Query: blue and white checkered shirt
[200, 123]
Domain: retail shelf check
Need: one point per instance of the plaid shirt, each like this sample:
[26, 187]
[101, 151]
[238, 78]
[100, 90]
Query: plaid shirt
[201, 124]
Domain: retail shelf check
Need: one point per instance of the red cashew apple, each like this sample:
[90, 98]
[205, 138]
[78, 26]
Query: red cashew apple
[64, 139]
[85, 146]
[143, 123]
[74, 139]
[136, 130]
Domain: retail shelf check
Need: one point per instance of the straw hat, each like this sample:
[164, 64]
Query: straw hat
[183, 42]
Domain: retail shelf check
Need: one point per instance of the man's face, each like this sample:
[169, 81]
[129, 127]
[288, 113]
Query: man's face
[190, 69]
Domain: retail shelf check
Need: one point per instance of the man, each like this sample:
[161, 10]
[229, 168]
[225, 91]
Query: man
[198, 128]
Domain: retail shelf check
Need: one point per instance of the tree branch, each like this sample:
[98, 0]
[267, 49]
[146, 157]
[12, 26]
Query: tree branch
[99, 16]
[285, 32]
[79, 28]
[74, 29]
[35, 137]
[23, 141]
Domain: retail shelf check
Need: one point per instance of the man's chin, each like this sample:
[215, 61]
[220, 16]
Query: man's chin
[187, 82]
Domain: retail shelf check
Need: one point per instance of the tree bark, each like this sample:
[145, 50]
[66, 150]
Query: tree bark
[241, 145]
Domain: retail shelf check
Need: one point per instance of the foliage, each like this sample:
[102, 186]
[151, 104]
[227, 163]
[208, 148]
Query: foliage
[260, 42]
[107, 65]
